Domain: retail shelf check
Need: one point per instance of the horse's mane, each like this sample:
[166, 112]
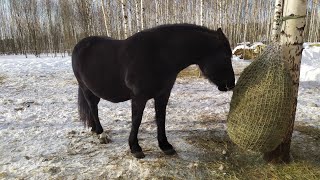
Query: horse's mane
[185, 27]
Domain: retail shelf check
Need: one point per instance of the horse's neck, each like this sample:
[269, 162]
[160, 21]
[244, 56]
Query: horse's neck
[196, 47]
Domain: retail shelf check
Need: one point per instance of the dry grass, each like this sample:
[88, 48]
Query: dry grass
[314, 45]
[218, 158]
[235, 163]
[194, 71]
[308, 130]
[240, 164]
[2, 78]
[248, 54]
[191, 71]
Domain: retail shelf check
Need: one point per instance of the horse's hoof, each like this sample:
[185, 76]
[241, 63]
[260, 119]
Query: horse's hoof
[104, 139]
[170, 152]
[138, 155]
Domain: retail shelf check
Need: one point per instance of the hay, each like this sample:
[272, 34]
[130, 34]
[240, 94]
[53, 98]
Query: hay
[314, 45]
[260, 112]
[191, 71]
[2, 78]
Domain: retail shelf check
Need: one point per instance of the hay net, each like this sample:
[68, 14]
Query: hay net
[259, 116]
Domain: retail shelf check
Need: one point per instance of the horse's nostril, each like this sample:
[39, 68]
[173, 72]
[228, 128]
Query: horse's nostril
[230, 87]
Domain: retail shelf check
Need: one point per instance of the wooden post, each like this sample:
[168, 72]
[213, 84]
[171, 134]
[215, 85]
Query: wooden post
[291, 40]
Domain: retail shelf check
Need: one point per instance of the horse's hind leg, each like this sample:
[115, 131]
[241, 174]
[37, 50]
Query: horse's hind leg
[88, 110]
[160, 108]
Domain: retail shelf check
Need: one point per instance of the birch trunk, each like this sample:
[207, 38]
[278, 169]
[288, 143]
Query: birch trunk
[276, 23]
[105, 18]
[312, 21]
[239, 24]
[167, 12]
[137, 15]
[201, 12]
[269, 21]
[291, 39]
[124, 18]
[88, 17]
[157, 11]
[246, 16]
[141, 14]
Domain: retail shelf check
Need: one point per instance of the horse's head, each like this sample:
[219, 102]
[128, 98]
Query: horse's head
[217, 66]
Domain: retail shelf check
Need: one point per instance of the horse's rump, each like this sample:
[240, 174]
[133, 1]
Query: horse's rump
[96, 64]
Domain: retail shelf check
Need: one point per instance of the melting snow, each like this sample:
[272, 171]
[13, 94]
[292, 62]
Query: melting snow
[41, 136]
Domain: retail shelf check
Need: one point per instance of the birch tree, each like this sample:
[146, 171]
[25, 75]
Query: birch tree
[48, 5]
[201, 12]
[136, 4]
[105, 18]
[83, 7]
[41, 26]
[276, 20]
[124, 18]
[141, 14]
[291, 39]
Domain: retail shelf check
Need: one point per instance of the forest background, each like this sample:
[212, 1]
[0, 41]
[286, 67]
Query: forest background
[55, 26]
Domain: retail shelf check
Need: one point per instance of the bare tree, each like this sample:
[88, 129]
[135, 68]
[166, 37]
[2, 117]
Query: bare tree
[201, 12]
[83, 7]
[291, 38]
[105, 18]
[276, 20]
[124, 18]
[141, 14]
[36, 26]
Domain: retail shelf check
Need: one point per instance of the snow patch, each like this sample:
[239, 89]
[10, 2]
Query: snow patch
[42, 138]
[310, 64]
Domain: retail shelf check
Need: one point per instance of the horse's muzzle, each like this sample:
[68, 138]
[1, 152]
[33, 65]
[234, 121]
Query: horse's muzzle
[226, 87]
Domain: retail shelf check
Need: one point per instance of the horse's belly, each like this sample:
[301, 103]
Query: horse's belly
[113, 93]
[110, 88]
[116, 97]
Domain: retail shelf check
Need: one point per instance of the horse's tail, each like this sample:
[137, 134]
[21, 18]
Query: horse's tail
[84, 110]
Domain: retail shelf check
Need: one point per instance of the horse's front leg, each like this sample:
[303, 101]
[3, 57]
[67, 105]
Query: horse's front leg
[160, 108]
[137, 106]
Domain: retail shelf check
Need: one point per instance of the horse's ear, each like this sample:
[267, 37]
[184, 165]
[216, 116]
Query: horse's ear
[219, 30]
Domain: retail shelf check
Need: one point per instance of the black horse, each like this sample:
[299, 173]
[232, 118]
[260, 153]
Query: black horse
[145, 66]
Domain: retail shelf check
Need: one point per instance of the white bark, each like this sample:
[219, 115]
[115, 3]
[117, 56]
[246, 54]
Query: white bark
[291, 39]
[292, 35]
[124, 18]
[87, 7]
[246, 16]
[269, 27]
[156, 13]
[105, 18]
[137, 15]
[167, 12]
[201, 12]
[239, 26]
[276, 20]
[141, 14]
[313, 21]
[220, 13]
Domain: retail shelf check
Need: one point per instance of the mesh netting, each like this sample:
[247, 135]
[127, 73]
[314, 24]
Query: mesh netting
[260, 112]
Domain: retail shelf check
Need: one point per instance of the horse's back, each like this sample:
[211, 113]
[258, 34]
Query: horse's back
[96, 65]
[90, 45]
